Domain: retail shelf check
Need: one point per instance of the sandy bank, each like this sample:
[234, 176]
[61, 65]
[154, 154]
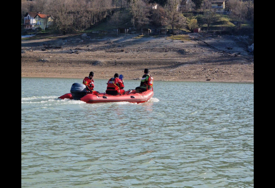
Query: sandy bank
[202, 58]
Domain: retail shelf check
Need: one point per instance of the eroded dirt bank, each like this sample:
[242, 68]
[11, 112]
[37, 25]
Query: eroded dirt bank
[201, 58]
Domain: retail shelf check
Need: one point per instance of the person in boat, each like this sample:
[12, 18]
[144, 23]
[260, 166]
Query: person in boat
[89, 83]
[121, 78]
[115, 86]
[146, 82]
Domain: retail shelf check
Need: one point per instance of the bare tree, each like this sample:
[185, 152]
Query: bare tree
[187, 5]
[70, 15]
[139, 12]
[206, 5]
[173, 17]
[40, 6]
[61, 11]
[27, 6]
[99, 9]
[158, 16]
[250, 12]
[24, 7]
[119, 3]
[240, 10]
[190, 5]
[209, 17]
[80, 13]
[119, 18]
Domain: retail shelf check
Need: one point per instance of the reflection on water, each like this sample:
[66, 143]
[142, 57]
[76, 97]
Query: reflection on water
[199, 135]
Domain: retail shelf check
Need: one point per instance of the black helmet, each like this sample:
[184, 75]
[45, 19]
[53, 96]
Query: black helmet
[91, 74]
[146, 70]
[116, 75]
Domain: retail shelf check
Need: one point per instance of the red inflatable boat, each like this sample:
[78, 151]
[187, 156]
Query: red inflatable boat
[129, 96]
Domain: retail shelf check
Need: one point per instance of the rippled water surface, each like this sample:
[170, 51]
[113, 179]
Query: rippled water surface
[188, 135]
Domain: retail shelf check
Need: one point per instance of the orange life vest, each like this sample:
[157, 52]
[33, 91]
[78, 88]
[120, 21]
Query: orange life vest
[89, 83]
[114, 84]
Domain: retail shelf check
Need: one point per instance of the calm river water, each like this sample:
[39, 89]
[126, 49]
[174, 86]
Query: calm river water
[188, 135]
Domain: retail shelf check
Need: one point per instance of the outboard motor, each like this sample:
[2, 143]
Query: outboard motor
[78, 91]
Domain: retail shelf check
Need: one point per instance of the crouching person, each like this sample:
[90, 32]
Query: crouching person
[146, 82]
[115, 86]
[89, 83]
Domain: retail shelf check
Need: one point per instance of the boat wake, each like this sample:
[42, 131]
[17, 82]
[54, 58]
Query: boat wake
[55, 99]
[37, 99]
[48, 99]
[154, 100]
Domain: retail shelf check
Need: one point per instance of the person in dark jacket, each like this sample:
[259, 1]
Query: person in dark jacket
[146, 82]
[115, 86]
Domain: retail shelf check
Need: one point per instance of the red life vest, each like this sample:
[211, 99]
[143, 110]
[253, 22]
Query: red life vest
[89, 83]
[114, 84]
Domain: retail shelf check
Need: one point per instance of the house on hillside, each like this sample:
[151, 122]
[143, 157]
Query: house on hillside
[33, 20]
[155, 6]
[218, 5]
[29, 21]
[43, 20]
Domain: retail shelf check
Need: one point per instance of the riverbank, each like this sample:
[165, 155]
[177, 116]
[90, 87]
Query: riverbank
[198, 58]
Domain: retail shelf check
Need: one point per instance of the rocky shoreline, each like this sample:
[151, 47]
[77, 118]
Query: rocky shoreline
[200, 58]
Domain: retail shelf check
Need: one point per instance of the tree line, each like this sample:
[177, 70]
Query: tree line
[71, 15]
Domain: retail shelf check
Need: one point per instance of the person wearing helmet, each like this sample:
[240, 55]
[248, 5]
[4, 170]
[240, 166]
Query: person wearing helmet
[121, 78]
[115, 86]
[146, 82]
[89, 83]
